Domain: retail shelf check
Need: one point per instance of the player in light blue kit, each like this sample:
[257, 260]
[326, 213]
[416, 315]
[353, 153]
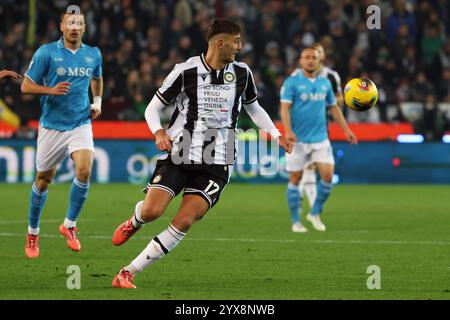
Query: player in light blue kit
[62, 72]
[304, 99]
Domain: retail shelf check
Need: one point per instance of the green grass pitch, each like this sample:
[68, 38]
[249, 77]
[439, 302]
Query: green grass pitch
[242, 249]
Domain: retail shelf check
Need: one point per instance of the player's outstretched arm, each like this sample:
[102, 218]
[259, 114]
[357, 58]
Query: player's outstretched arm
[29, 87]
[260, 117]
[97, 92]
[163, 141]
[339, 118]
[9, 73]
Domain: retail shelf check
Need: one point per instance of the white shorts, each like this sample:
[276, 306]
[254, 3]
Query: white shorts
[52, 145]
[303, 154]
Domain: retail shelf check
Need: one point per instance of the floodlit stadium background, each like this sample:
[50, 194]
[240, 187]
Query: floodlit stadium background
[388, 207]
[408, 59]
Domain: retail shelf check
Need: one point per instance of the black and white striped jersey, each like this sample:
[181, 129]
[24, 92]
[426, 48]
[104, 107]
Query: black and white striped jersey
[207, 105]
[334, 78]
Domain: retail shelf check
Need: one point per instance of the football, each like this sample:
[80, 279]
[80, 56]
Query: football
[360, 94]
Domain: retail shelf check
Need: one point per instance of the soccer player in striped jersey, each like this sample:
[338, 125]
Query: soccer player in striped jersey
[61, 73]
[208, 91]
[304, 100]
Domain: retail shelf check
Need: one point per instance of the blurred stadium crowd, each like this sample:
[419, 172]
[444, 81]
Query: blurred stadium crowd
[408, 59]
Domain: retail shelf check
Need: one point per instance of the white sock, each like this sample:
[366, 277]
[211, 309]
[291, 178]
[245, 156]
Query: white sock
[69, 223]
[136, 220]
[130, 268]
[309, 183]
[162, 244]
[33, 231]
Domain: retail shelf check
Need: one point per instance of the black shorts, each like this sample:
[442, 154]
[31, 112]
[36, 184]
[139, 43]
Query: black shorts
[206, 181]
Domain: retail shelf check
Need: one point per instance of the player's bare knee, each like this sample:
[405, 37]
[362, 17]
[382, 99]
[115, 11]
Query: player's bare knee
[83, 174]
[42, 181]
[294, 178]
[42, 184]
[183, 223]
[327, 178]
[150, 213]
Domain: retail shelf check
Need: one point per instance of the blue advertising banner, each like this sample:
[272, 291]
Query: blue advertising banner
[133, 161]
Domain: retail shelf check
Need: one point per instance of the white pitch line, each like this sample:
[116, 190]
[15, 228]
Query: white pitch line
[388, 242]
[6, 222]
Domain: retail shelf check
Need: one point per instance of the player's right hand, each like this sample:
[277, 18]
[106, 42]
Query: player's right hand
[163, 141]
[60, 89]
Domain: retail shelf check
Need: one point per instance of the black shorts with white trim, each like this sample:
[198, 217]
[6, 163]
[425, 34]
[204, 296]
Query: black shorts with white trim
[206, 181]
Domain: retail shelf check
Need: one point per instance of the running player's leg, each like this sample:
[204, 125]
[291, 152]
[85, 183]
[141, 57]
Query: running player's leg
[294, 200]
[83, 160]
[38, 197]
[202, 191]
[295, 163]
[81, 150]
[146, 211]
[192, 208]
[78, 194]
[51, 149]
[167, 181]
[324, 162]
[324, 186]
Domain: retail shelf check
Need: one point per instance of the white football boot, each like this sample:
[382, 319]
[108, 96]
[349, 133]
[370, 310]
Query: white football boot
[298, 227]
[316, 222]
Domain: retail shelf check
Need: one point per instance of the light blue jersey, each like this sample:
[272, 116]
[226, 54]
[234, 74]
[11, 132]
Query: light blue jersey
[53, 63]
[309, 98]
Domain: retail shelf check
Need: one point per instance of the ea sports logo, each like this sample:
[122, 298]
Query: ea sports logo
[61, 71]
[304, 96]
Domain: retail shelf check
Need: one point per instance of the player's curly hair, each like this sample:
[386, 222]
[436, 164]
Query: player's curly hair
[222, 26]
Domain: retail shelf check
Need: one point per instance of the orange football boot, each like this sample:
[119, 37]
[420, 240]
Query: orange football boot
[32, 246]
[123, 280]
[71, 236]
[123, 233]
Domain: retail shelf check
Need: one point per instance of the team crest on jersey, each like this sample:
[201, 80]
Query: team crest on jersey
[89, 60]
[228, 76]
[157, 178]
[61, 71]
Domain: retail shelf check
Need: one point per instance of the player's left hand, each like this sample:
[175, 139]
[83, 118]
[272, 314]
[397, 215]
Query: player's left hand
[286, 144]
[96, 108]
[351, 137]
